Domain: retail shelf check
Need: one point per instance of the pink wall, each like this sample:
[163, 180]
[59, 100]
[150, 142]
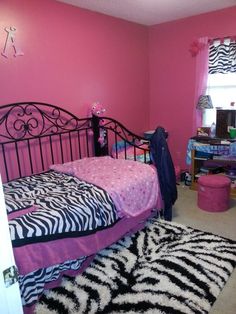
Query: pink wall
[144, 76]
[73, 57]
[172, 73]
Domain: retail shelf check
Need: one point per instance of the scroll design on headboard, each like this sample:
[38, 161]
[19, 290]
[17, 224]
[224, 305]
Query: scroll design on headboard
[29, 120]
[122, 131]
[35, 135]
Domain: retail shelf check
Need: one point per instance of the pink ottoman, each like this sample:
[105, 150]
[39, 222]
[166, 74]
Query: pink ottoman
[213, 193]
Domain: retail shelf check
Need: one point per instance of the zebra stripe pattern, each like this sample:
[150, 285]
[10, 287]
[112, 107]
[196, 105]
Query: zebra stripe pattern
[166, 268]
[32, 285]
[222, 58]
[66, 207]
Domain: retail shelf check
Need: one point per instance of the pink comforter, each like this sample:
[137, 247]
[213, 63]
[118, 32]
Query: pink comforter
[132, 185]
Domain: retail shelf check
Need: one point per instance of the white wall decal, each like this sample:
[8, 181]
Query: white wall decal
[10, 43]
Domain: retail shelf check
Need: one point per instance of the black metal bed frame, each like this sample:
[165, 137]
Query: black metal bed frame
[34, 135]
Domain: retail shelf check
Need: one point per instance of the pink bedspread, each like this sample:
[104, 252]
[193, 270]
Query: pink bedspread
[132, 185]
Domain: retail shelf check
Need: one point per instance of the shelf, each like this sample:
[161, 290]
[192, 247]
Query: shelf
[198, 175]
[197, 163]
[201, 158]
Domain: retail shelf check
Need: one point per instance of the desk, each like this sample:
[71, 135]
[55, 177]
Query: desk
[223, 156]
[219, 149]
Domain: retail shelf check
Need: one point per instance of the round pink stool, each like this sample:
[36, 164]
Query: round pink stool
[213, 193]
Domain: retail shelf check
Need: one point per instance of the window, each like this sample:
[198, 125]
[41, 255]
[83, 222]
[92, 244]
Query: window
[221, 85]
[222, 89]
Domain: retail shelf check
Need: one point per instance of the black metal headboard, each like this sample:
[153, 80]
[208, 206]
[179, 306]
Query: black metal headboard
[34, 135]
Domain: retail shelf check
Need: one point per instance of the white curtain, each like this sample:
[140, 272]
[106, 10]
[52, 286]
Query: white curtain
[201, 74]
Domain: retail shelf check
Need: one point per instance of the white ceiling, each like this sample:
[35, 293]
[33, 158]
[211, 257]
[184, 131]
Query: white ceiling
[151, 12]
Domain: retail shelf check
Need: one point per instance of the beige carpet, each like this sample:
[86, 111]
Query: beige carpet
[186, 212]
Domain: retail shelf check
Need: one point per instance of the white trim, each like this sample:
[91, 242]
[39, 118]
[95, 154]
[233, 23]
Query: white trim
[10, 300]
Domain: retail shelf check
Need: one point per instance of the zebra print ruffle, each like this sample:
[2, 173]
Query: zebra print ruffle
[222, 58]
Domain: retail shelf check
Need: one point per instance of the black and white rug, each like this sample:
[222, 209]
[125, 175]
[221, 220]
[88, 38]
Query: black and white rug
[165, 268]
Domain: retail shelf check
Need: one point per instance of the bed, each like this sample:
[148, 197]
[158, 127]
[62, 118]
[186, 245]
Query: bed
[66, 197]
[127, 151]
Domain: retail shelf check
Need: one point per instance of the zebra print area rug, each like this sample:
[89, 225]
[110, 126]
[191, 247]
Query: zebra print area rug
[165, 268]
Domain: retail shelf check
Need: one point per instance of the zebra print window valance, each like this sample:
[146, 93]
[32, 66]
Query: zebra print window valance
[222, 56]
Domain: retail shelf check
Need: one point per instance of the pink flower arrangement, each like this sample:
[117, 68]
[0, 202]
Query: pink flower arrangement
[195, 47]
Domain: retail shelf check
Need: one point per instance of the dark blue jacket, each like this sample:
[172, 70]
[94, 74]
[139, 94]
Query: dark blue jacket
[161, 158]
